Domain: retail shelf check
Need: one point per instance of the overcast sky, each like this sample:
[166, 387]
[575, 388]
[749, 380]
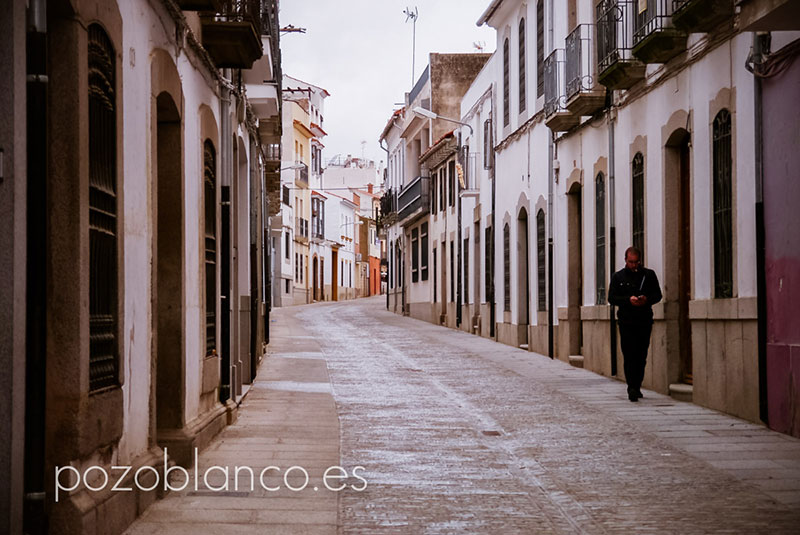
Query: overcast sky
[360, 51]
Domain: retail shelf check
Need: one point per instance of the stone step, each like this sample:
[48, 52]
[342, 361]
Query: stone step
[576, 360]
[681, 391]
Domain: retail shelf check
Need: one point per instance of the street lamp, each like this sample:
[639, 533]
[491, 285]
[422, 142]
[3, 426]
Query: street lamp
[422, 112]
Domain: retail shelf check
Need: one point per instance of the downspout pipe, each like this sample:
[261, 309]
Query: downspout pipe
[550, 185]
[493, 233]
[388, 253]
[612, 230]
[225, 165]
[34, 505]
[761, 46]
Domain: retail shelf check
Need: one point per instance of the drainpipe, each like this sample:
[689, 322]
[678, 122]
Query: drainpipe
[34, 514]
[761, 45]
[255, 234]
[458, 245]
[490, 260]
[612, 230]
[225, 153]
[388, 253]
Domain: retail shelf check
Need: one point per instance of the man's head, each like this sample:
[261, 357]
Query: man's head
[632, 256]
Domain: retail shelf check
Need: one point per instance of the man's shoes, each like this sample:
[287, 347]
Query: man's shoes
[633, 397]
[639, 394]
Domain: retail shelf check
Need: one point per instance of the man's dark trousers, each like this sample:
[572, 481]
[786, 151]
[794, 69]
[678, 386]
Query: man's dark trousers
[634, 340]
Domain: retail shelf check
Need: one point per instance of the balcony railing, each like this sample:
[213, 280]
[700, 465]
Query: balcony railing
[301, 174]
[616, 66]
[469, 168]
[301, 227]
[701, 15]
[655, 39]
[232, 35]
[584, 94]
[317, 228]
[388, 211]
[413, 200]
[557, 117]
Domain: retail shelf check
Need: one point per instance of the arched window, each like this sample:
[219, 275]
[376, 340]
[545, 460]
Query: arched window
[637, 197]
[506, 268]
[600, 233]
[210, 231]
[522, 91]
[541, 283]
[103, 302]
[506, 103]
[723, 231]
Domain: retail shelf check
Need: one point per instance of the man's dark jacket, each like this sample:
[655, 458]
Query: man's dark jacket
[626, 283]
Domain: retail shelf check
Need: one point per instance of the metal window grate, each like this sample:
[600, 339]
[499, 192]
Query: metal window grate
[579, 68]
[210, 231]
[522, 91]
[539, 48]
[541, 283]
[103, 315]
[424, 251]
[614, 32]
[506, 269]
[506, 100]
[600, 232]
[415, 255]
[637, 196]
[723, 235]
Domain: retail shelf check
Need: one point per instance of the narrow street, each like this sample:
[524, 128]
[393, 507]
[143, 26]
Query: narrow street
[458, 434]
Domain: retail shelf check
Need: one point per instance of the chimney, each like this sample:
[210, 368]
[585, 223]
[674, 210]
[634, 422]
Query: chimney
[369, 188]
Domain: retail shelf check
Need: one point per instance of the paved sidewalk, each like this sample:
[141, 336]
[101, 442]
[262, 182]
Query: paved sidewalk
[288, 418]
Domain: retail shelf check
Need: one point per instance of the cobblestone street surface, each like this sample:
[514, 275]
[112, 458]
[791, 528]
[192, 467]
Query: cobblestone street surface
[463, 435]
[459, 434]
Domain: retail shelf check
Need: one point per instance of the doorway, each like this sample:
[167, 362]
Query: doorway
[574, 269]
[677, 258]
[523, 278]
[315, 279]
[335, 275]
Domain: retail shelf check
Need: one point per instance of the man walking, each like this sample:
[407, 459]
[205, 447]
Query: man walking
[634, 290]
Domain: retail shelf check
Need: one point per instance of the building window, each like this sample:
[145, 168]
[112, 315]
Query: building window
[452, 272]
[539, 48]
[390, 267]
[434, 275]
[506, 82]
[434, 185]
[506, 268]
[451, 172]
[296, 266]
[522, 92]
[301, 267]
[465, 258]
[487, 252]
[424, 251]
[210, 202]
[286, 243]
[541, 284]
[637, 195]
[442, 184]
[600, 233]
[488, 148]
[415, 255]
[723, 226]
[287, 285]
[285, 196]
[103, 245]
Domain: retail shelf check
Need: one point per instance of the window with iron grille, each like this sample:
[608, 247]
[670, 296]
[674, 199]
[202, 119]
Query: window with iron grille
[487, 252]
[541, 283]
[103, 316]
[522, 92]
[451, 172]
[506, 269]
[723, 231]
[465, 258]
[540, 48]
[423, 243]
[415, 255]
[286, 244]
[506, 103]
[637, 195]
[210, 230]
[600, 232]
[487, 144]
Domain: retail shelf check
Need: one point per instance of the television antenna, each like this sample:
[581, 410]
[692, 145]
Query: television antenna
[413, 15]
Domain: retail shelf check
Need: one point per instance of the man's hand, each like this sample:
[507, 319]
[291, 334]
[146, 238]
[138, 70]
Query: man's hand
[642, 300]
[634, 301]
[638, 301]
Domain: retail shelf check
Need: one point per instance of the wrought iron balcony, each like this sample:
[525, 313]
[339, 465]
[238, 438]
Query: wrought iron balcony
[301, 174]
[557, 117]
[701, 15]
[412, 203]
[655, 39]
[468, 175]
[388, 212]
[232, 33]
[584, 94]
[616, 66]
[317, 228]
